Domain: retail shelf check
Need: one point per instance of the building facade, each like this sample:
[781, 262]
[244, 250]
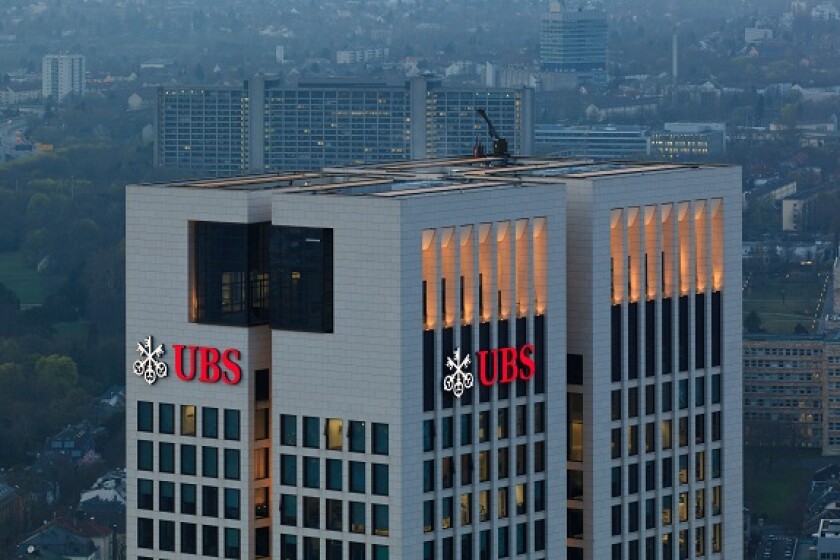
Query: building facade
[62, 75]
[267, 125]
[573, 39]
[689, 141]
[302, 384]
[597, 142]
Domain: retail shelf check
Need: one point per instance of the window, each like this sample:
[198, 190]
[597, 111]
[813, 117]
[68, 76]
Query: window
[166, 418]
[145, 455]
[357, 517]
[380, 439]
[262, 463]
[188, 461]
[379, 484]
[188, 420]
[311, 548]
[466, 429]
[288, 429]
[380, 520]
[357, 477]
[232, 464]
[356, 436]
[334, 549]
[311, 513]
[288, 470]
[232, 507]
[188, 499]
[334, 515]
[311, 437]
[302, 266]
[145, 533]
[446, 432]
[288, 509]
[209, 422]
[379, 552]
[167, 497]
[145, 494]
[232, 543]
[262, 428]
[166, 457]
[210, 540]
[262, 385]
[232, 425]
[502, 424]
[334, 474]
[189, 541]
[209, 462]
[357, 551]
[539, 417]
[311, 472]
[428, 516]
[335, 433]
[210, 501]
[230, 273]
[166, 535]
[145, 416]
[288, 546]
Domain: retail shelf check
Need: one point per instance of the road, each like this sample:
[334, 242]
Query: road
[10, 131]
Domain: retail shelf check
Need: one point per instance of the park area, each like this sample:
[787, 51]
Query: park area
[785, 303]
[21, 279]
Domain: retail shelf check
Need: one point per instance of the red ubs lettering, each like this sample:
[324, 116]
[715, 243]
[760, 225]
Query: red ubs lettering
[509, 364]
[208, 364]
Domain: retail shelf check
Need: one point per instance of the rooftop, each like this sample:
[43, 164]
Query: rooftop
[413, 178]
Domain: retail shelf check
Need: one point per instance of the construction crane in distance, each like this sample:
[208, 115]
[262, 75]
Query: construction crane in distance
[500, 145]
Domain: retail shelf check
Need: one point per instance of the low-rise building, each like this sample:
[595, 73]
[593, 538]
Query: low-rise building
[689, 141]
[599, 142]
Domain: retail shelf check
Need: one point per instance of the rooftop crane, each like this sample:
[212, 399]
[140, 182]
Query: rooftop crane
[500, 145]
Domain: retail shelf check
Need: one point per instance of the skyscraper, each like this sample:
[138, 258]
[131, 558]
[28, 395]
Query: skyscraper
[62, 75]
[449, 358]
[573, 39]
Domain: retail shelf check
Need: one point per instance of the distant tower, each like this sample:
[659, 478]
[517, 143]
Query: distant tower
[674, 58]
[573, 38]
[62, 75]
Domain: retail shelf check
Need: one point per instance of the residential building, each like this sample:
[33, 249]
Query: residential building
[573, 39]
[446, 356]
[267, 125]
[62, 75]
[598, 142]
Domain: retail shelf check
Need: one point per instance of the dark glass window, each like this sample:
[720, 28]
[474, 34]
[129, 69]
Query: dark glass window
[145, 533]
[167, 497]
[166, 457]
[288, 429]
[232, 503]
[334, 515]
[357, 551]
[379, 484]
[210, 540]
[357, 517]
[210, 422]
[288, 546]
[166, 535]
[232, 424]
[379, 552]
[189, 541]
[262, 542]
[334, 548]
[210, 501]
[262, 427]
[357, 477]
[262, 385]
[429, 384]
[302, 268]
[145, 494]
[288, 470]
[232, 464]
[230, 273]
[380, 520]
[574, 369]
[428, 435]
[288, 509]
[311, 513]
[188, 499]
[145, 416]
[311, 472]
[356, 436]
[145, 455]
[188, 459]
[334, 474]
[380, 439]
[209, 462]
[311, 548]
[502, 542]
[446, 432]
[166, 417]
[232, 543]
[311, 435]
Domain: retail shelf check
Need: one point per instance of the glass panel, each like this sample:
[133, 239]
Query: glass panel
[335, 434]
[429, 264]
[187, 420]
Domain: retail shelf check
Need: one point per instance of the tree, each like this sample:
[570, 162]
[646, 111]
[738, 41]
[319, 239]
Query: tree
[752, 322]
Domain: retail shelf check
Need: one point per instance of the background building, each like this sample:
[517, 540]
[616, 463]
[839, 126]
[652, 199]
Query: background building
[689, 141]
[271, 126]
[573, 39]
[62, 75]
[598, 142]
[293, 384]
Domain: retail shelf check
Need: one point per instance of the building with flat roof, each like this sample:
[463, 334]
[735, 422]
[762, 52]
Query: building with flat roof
[448, 356]
[689, 141]
[597, 142]
[267, 125]
[62, 75]
[573, 39]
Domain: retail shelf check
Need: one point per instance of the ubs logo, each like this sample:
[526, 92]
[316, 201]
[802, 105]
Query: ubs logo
[500, 365]
[204, 363]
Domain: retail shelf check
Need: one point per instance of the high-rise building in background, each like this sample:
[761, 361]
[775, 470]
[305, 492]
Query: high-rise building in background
[266, 125]
[62, 75]
[573, 39]
[452, 358]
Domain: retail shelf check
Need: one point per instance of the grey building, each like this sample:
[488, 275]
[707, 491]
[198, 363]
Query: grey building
[573, 38]
[267, 125]
[689, 141]
[599, 142]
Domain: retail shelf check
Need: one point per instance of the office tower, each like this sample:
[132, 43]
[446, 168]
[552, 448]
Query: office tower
[62, 75]
[573, 38]
[435, 359]
[271, 126]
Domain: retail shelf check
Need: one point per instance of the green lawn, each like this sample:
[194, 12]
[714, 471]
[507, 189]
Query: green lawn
[785, 301]
[22, 279]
